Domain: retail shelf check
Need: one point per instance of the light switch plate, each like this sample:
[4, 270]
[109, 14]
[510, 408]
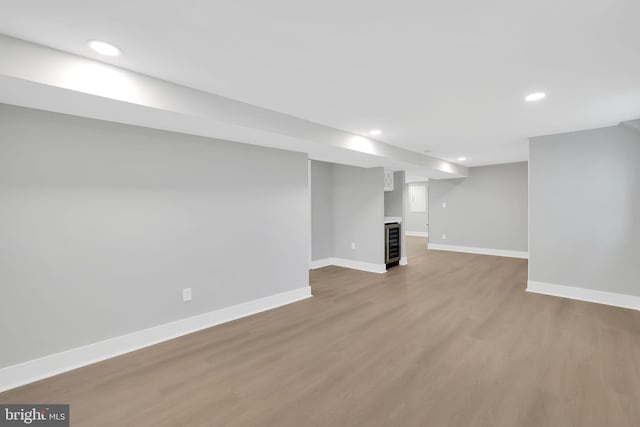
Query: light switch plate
[186, 294]
[444, 204]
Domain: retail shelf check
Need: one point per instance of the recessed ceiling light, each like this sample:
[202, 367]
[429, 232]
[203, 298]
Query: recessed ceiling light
[536, 96]
[375, 132]
[104, 48]
[462, 159]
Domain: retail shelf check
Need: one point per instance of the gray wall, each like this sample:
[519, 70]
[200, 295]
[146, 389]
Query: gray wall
[486, 210]
[102, 225]
[394, 206]
[321, 183]
[416, 221]
[585, 209]
[357, 212]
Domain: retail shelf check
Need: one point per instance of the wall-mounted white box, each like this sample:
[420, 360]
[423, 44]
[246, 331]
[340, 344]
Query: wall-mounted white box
[417, 198]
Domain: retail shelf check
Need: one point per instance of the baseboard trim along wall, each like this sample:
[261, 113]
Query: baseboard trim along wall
[416, 233]
[44, 367]
[481, 251]
[583, 294]
[403, 261]
[348, 263]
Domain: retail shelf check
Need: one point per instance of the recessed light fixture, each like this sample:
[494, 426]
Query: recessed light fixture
[462, 159]
[536, 96]
[375, 132]
[104, 48]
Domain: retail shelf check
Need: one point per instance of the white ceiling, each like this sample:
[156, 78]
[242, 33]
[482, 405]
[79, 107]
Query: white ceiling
[448, 77]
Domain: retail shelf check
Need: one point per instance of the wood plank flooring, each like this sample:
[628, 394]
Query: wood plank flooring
[449, 340]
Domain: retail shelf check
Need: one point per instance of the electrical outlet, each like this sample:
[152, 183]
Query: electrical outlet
[444, 237]
[444, 204]
[186, 294]
[353, 245]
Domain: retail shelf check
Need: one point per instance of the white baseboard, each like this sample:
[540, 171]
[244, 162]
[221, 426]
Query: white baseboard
[37, 369]
[416, 233]
[348, 263]
[583, 294]
[482, 251]
[403, 261]
[325, 262]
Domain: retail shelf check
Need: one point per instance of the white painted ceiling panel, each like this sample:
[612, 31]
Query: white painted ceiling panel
[448, 77]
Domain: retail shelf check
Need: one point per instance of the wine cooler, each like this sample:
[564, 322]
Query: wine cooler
[392, 243]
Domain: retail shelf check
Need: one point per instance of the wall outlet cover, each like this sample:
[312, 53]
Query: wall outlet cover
[353, 245]
[186, 294]
[444, 237]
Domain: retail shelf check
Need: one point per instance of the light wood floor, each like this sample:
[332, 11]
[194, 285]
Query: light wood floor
[449, 340]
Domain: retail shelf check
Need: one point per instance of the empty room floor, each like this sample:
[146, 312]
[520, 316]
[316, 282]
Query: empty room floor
[450, 339]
